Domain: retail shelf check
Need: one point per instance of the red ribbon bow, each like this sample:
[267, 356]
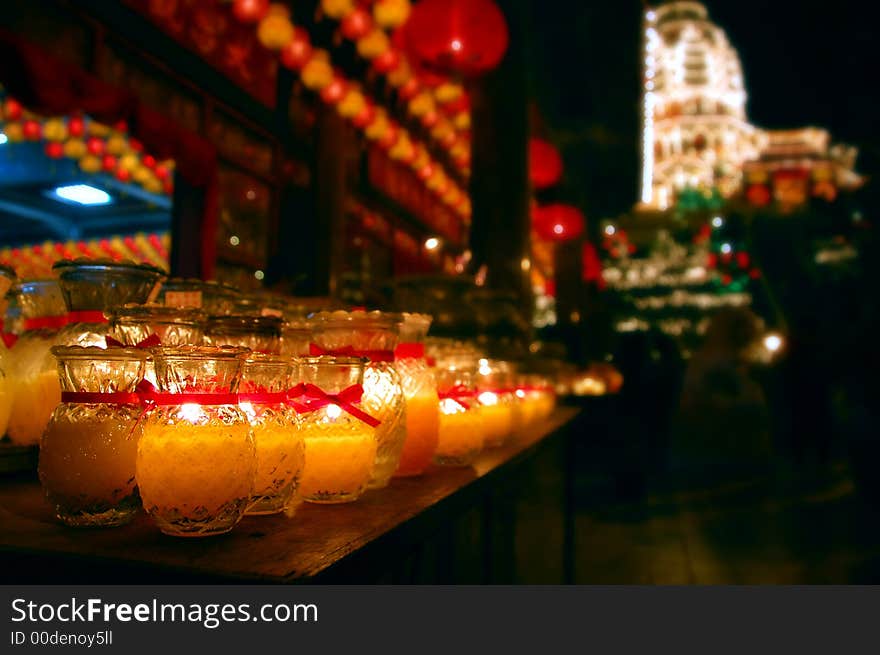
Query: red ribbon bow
[316, 398]
[150, 342]
[349, 351]
[456, 394]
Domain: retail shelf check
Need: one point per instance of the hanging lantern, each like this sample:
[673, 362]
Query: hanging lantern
[75, 149]
[95, 145]
[558, 222]
[250, 11]
[54, 150]
[373, 44]
[12, 110]
[337, 8]
[545, 164]
[90, 164]
[387, 61]
[318, 72]
[356, 24]
[298, 51]
[275, 30]
[54, 129]
[333, 92]
[31, 130]
[123, 175]
[366, 115]
[115, 145]
[13, 132]
[409, 90]
[108, 163]
[391, 13]
[456, 37]
[352, 103]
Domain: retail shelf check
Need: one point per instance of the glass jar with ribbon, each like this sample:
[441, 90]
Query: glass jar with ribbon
[196, 459]
[88, 450]
[93, 287]
[461, 421]
[151, 325]
[257, 333]
[340, 436]
[373, 336]
[32, 375]
[264, 398]
[420, 389]
[496, 392]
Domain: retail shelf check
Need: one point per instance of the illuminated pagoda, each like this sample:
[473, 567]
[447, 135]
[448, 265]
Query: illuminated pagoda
[696, 134]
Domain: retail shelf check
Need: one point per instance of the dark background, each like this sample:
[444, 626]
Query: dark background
[804, 63]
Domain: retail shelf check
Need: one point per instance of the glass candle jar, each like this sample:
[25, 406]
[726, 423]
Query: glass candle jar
[280, 451]
[496, 395]
[6, 389]
[257, 333]
[296, 337]
[88, 450]
[210, 296]
[196, 459]
[91, 288]
[152, 325]
[461, 421]
[373, 336]
[33, 384]
[420, 389]
[340, 444]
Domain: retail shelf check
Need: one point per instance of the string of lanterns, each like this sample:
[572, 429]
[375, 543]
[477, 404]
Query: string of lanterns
[36, 261]
[95, 147]
[293, 45]
[439, 104]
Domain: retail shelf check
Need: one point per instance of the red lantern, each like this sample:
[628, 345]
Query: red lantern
[250, 11]
[76, 126]
[558, 222]
[712, 260]
[409, 90]
[32, 130]
[366, 116]
[135, 145]
[545, 164]
[54, 150]
[95, 145]
[758, 195]
[123, 175]
[460, 37]
[162, 172]
[108, 163]
[149, 161]
[298, 51]
[333, 92]
[12, 109]
[356, 24]
[390, 137]
[387, 61]
[430, 119]
[742, 259]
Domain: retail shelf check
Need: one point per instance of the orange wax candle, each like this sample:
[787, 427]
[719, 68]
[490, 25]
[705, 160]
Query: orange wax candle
[191, 475]
[87, 466]
[35, 398]
[497, 418]
[461, 434]
[422, 433]
[280, 461]
[339, 458]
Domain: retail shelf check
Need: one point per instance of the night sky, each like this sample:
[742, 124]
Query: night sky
[804, 63]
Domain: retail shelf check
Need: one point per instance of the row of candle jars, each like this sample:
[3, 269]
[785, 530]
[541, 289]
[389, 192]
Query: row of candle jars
[224, 434]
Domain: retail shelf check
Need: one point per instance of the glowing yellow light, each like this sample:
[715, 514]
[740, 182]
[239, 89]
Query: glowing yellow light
[773, 342]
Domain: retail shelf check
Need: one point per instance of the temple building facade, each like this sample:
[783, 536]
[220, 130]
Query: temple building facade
[696, 134]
